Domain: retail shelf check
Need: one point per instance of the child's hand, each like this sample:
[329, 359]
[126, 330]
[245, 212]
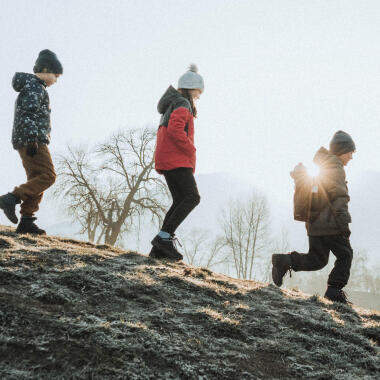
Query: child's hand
[31, 149]
[300, 168]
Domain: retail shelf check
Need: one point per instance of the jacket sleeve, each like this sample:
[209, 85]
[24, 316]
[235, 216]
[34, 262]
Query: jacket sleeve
[176, 130]
[338, 194]
[30, 102]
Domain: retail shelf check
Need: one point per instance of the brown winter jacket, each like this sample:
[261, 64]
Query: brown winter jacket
[334, 217]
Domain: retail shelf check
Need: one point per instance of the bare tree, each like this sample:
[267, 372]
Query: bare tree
[245, 225]
[193, 246]
[202, 249]
[216, 254]
[110, 186]
[363, 277]
[279, 245]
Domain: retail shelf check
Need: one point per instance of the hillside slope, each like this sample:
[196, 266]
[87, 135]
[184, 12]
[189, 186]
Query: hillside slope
[69, 309]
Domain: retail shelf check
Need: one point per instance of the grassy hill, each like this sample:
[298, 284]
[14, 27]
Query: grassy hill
[70, 309]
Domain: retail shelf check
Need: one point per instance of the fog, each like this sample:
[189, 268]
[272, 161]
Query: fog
[280, 78]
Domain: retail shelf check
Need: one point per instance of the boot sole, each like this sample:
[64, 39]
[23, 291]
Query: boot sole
[156, 254]
[275, 277]
[161, 256]
[31, 233]
[336, 298]
[339, 301]
[166, 251]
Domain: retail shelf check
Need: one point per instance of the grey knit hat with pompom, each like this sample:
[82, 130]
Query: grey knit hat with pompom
[191, 79]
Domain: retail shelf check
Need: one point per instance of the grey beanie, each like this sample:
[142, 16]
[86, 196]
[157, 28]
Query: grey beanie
[342, 143]
[49, 61]
[191, 79]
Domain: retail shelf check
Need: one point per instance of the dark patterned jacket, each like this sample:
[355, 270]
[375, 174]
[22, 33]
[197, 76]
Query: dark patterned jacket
[32, 111]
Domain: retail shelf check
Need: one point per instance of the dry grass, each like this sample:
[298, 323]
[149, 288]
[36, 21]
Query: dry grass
[73, 310]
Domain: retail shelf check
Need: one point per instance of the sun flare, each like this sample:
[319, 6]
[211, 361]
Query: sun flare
[314, 170]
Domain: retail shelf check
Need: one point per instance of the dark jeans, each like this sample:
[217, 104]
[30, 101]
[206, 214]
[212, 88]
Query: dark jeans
[318, 256]
[184, 191]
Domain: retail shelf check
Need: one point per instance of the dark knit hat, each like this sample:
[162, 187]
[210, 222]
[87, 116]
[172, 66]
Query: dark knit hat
[342, 143]
[49, 61]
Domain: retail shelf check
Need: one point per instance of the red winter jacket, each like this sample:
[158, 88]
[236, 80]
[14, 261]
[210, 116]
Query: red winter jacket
[175, 137]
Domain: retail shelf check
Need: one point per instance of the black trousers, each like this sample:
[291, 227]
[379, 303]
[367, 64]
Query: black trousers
[184, 191]
[318, 256]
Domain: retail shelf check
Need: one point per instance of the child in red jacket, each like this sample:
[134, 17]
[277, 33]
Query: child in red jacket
[175, 157]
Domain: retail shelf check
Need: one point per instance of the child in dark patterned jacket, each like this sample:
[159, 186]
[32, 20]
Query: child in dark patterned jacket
[30, 137]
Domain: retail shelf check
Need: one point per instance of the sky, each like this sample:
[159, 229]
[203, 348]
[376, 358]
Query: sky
[280, 77]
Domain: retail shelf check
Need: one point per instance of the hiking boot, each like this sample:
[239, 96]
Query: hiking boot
[166, 246]
[155, 253]
[8, 204]
[281, 264]
[336, 295]
[27, 226]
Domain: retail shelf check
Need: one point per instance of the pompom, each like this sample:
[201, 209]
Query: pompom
[193, 67]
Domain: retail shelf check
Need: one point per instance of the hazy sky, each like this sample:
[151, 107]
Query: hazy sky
[280, 76]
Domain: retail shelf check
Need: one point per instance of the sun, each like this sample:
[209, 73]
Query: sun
[314, 170]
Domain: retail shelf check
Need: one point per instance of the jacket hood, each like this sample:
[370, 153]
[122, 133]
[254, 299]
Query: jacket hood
[169, 96]
[324, 158]
[20, 80]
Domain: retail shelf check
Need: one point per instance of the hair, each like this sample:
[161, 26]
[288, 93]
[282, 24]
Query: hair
[42, 69]
[186, 93]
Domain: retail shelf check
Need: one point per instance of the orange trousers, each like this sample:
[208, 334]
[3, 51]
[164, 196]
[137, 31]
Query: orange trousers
[40, 176]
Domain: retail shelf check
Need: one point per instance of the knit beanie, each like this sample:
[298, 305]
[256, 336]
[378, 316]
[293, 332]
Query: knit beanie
[342, 143]
[191, 79]
[49, 61]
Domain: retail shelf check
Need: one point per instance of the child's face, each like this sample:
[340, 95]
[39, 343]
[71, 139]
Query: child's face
[196, 93]
[49, 78]
[345, 158]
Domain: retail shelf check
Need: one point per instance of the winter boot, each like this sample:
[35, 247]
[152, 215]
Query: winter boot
[166, 246]
[281, 264]
[8, 204]
[27, 226]
[336, 295]
[155, 253]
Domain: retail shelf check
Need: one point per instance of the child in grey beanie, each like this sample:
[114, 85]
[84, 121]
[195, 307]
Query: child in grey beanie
[175, 158]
